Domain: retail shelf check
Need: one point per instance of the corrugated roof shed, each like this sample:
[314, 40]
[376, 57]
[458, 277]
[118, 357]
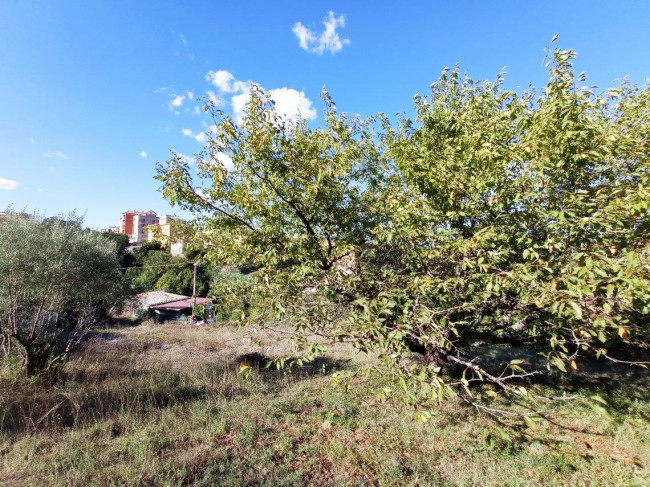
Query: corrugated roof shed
[179, 304]
[152, 298]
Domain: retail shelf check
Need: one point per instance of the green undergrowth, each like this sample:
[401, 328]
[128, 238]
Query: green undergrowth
[168, 406]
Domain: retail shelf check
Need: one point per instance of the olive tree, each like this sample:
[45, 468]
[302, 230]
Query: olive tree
[492, 215]
[56, 280]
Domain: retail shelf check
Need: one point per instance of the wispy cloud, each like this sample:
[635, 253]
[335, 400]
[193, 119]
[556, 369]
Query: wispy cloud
[186, 159]
[32, 141]
[208, 160]
[53, 154]
[183, 46]
[144, 154]
[8, 184]
[200, 137]
[216, 100]
[176, 102]
[328, 40]
[52, 169]
[220, 159]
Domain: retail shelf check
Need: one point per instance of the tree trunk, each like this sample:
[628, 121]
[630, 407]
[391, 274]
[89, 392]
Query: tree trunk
[36, 359]
[437, 356]
[6, 345]
[433, 354]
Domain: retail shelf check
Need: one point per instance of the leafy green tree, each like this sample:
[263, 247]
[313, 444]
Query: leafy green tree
[153, 265]
[231, 292]
[126, 258]
[56, 280]
[492, 215]
[141, 252]
[162, 271]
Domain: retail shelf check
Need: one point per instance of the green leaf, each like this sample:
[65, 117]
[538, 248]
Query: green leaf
[577, 310]
[491, 394]
[598, 399]
[559, 364]
[530, 423]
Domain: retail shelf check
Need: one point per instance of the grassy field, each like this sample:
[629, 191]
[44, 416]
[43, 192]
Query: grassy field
[165, 405]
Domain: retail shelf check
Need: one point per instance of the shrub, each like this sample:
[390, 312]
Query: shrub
[56, 280]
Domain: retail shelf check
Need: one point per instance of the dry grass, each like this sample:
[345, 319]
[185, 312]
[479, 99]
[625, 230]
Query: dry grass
[165, 405]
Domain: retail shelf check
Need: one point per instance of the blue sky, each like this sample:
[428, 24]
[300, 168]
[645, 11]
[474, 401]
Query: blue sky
[87, 87]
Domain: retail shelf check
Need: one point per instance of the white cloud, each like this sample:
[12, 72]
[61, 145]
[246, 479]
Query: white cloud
[144, 154]
[222, 79]
[293, 104]
[40, 190]
[239, 106]
[241, 86]
[200, 137]
[177, 101]
[52, 169]
[8, 184]
[32, 141]
[328, 40]
[289, 103]
[183, 46]
[214, 98]
[52, 154]
[186, 159]
[220, 159]
[304, 35]
[226, 82]
[225, 160]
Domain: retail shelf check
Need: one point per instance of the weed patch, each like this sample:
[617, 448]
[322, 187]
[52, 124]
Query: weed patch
[167, 405]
